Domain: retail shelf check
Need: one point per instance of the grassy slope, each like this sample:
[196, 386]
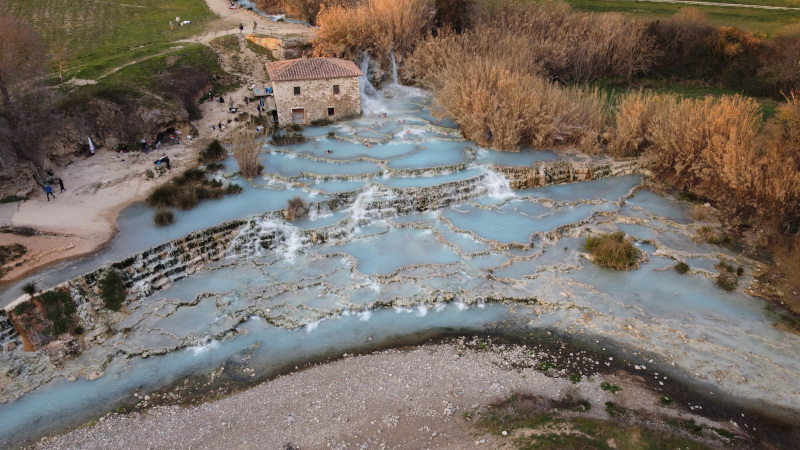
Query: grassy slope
[99, 36]
[136, 79]
[757, 20]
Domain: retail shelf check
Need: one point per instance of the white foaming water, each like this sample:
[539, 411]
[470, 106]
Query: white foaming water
[497, 186]
[319, 213]
[364, 315]
[394, 67]
[287, 241]
[370, 103]
[375, 285]
[203, 345]
[422, 310]
[313, 325]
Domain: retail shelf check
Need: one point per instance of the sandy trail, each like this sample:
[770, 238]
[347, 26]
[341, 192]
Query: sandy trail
[83, 219]
[725, 5]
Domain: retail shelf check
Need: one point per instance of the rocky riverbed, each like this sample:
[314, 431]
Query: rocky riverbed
[428, 396]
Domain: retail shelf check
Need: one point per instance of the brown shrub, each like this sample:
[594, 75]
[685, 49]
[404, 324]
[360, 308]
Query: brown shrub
[634, 114]
[503, 109]
[782, 62]
[306, 10]
[702, 142]
[546, 38]
[377, 27]
[246, 145]
[681, 41]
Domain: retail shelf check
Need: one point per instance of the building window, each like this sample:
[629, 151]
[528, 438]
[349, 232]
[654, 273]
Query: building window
[297, 90]
[330, 112]
[335, 89]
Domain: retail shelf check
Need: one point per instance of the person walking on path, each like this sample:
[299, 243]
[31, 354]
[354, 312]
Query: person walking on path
[61, 184]
[241, 28]
[49, 191]
[254, 27]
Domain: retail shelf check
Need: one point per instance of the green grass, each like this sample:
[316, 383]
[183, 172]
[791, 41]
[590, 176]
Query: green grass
[229, 42]
[100, 36]
[612, 250]
[757, 20]
[135, 80]
[684, 88]
[521, 412]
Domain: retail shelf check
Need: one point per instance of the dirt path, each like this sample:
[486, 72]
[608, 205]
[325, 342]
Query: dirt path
[726, 5]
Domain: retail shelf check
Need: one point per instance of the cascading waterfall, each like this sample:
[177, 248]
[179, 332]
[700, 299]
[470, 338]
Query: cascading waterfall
[367, 89]
[370, 103]
[395, 79]
[497, 186]
[262, 235]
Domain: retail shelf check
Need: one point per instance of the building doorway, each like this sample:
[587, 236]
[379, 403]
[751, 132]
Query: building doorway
[298, 115]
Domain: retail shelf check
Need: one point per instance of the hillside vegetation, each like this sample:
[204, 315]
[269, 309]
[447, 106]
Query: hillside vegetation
[95, 37]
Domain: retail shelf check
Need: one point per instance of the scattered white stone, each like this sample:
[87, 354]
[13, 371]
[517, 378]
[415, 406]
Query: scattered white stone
[505, 433]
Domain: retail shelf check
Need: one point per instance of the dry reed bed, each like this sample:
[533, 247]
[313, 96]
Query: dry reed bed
[378, 27]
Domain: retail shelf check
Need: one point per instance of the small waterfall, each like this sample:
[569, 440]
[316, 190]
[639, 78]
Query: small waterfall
[370, 103]
[262, 235]
[367, 89]
[395, 80]
[497, 186]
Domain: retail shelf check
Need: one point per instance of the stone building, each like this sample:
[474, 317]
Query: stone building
[309, 89]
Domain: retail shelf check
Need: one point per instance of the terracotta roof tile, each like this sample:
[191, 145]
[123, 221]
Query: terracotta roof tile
[311, 69]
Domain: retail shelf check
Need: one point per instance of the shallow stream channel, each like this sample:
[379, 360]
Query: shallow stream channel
[411, 234]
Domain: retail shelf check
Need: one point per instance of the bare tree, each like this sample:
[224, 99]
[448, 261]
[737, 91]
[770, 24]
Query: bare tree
[22, 62]
[246, 144]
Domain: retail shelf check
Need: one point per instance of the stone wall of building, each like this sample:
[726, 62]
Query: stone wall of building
[274, 45]
[316, 96]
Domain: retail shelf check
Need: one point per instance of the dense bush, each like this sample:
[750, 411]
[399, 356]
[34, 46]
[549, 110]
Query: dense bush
[163, 196]
[187, 199]
[163, 217]
[112, 290]
[612, 250]
[214, 152]
[682, 267]
[58, 310]
[296, 208]
[185, 192]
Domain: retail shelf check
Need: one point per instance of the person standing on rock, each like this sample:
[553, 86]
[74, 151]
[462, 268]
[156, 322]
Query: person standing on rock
[49, 191]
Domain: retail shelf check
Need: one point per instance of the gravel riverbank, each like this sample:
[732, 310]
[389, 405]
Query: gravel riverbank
[396, 398]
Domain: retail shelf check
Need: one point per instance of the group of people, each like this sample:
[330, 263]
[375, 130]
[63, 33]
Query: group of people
[163, 160]
[48, 190]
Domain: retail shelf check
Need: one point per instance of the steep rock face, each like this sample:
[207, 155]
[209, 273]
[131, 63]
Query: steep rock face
[109, 123]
